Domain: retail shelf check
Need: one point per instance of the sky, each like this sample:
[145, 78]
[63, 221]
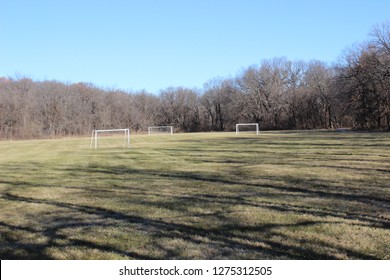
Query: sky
[151, 45]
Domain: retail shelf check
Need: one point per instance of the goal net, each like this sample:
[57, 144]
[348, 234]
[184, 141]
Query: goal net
[160, 130]
[110, 138]
[247, 128]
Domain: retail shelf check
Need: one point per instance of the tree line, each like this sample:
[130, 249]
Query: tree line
[277, 94]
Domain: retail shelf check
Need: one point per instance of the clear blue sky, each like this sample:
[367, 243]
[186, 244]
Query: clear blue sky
[151, 45]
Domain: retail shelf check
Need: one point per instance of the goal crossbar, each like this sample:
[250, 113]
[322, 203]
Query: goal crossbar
[256, 125]
[95, 133]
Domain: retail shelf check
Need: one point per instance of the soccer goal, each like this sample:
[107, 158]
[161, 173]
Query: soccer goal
[247, 128]
[160, 130]
[110, 138]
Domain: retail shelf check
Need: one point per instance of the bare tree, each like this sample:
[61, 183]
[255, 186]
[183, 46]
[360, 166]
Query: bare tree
[380, 35]
[216, 101]
[318, 79]
[363, 86]
[179, 107]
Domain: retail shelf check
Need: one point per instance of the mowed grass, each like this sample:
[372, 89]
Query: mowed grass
[277, 195]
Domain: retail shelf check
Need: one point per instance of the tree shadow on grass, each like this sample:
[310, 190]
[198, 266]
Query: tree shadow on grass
[331, 191]
[35, 237]
[13, 249]
[226, 239]
[223, 238]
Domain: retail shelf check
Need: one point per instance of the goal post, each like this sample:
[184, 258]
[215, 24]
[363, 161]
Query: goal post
[165, 129]
[95, 136]
[247, 127]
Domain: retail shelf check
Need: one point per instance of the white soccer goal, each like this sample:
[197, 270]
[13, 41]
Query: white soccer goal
[113, 134]
[247, 128]
[160, 130]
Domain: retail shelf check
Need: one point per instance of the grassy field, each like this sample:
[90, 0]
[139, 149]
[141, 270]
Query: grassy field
[278, 195]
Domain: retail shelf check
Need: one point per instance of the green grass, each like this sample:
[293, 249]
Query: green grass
[278, 195]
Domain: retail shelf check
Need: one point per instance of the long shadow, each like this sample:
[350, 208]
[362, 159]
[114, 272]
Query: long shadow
[303, 186]
[226, 236]
[231, 236]
[13, 249]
